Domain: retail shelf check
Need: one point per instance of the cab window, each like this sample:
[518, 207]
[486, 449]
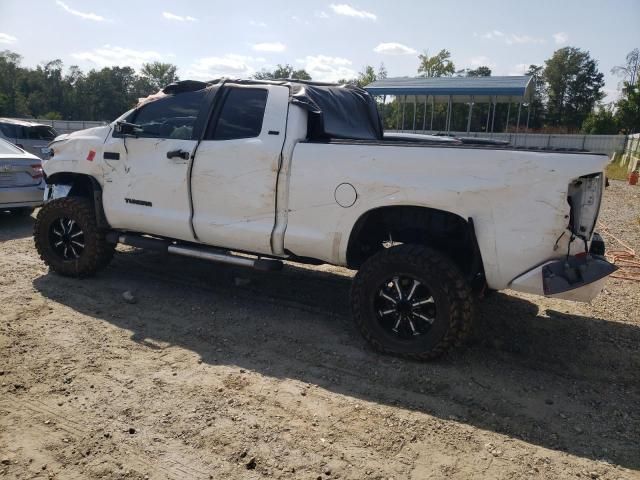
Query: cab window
[173, 116]
[241, 115]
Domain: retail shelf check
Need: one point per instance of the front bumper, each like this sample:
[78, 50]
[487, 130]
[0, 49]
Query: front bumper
[576, 277]
[15, 197]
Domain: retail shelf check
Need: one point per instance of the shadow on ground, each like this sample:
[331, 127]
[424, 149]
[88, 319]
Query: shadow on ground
[561, 381]
[14, 226]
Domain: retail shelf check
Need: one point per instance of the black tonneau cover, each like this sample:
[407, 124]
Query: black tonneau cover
[338, 111]
[335, 111]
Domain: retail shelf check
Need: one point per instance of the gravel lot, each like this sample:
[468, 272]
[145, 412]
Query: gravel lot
[215, 372]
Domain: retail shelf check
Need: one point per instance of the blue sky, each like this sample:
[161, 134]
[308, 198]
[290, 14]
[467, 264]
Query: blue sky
[330, 39]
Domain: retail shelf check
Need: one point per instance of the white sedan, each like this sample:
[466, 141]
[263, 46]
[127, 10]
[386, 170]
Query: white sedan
[21, 180]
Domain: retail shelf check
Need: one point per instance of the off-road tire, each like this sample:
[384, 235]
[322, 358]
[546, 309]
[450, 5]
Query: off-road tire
[97, 251]
[451, 292]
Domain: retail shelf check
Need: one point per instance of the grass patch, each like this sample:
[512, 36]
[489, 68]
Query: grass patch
[617, 171]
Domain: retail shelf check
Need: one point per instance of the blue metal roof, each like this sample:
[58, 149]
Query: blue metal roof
[515, 88]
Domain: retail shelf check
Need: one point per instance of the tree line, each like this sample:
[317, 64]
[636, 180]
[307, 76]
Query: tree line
[569, 92]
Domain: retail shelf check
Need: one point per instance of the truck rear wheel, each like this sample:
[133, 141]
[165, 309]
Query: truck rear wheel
[68, 239]
[412, 301]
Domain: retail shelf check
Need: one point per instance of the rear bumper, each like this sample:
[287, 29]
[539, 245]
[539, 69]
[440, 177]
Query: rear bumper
[22, 196]
[578, 278]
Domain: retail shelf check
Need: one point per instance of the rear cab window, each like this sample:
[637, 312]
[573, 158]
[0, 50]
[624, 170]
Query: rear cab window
[241, 115]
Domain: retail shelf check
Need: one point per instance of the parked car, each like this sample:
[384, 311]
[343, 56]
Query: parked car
[303, 172]
[30, 136]
[21, 180]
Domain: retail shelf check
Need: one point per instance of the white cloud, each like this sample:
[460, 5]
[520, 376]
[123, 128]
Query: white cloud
[394, 48]
[7, 39]
[482, 61]
[87, 16]
[493, 34]
[322, 14]
[254, 23]
[519, 69]
[269, 47]
[178, 18]
[109, 55]
[560, 38]
[229, 65]
[511, 38]
[349, 11]
[515, 38]
[327, 69]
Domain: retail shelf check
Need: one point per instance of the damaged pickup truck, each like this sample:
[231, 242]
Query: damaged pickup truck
[303, 172]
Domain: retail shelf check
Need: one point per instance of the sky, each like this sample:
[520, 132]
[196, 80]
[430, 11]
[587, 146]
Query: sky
[330, 39]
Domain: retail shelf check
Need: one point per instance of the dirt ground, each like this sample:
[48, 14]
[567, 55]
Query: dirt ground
[216, 372]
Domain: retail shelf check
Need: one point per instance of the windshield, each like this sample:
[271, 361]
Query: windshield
[7, 148]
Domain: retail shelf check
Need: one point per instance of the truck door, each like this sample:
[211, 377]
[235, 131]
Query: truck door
[235, 170]
[146, 176]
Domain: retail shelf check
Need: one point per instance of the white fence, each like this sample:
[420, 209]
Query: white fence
[608, 144]
[631, 155]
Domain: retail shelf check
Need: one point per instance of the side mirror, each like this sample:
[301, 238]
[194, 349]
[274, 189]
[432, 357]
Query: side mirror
[127, 129]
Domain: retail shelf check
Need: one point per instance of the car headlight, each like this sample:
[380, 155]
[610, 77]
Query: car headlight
[584, 197]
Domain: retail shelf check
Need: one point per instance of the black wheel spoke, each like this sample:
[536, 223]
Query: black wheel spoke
[66, 238]
[405, 307]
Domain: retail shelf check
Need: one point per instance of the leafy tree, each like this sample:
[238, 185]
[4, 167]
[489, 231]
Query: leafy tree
[536, 105]
[368, 75]
[629, 71]
[158, 75]
[628, 108]
[601, 122]
[482, 71]
[573, 86]
[46, 91]
[440, 65]
[282, 72]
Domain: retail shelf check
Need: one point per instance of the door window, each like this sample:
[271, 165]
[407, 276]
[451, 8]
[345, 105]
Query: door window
[241, 115]
[40, 132]
[170, 117]
[9, 130]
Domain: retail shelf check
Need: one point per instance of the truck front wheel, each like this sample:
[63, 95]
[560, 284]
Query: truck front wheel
[412, 301]
[68, 239]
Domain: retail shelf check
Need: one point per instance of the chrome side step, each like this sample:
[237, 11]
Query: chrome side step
[204, 253]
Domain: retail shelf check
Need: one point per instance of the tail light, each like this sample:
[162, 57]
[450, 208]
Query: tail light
[585, 195]
[36, 171]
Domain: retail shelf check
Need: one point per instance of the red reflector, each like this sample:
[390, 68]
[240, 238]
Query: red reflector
[91, 156]
[36, 171]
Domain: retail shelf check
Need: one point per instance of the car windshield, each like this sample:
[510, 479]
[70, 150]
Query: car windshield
[7, 148]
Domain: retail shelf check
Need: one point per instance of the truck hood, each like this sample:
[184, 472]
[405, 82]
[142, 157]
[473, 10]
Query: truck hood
[95, 132]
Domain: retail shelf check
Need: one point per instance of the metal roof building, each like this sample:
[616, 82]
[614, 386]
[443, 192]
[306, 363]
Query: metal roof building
[470, 90]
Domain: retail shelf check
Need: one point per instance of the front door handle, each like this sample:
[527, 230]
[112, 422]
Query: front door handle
[179, 153]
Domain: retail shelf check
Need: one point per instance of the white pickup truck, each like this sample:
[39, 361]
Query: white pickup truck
[296, 171]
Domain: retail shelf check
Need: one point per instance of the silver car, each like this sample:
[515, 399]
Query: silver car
[21, 180]
[30, 136]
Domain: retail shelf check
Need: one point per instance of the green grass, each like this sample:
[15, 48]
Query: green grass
[616, 171]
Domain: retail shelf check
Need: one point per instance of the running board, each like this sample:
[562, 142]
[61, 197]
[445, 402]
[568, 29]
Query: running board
[204, 253]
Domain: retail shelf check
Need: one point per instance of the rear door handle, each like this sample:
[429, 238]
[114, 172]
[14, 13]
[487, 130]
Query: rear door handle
[178, 153]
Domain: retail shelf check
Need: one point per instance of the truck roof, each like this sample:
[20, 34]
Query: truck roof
[335, 110]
